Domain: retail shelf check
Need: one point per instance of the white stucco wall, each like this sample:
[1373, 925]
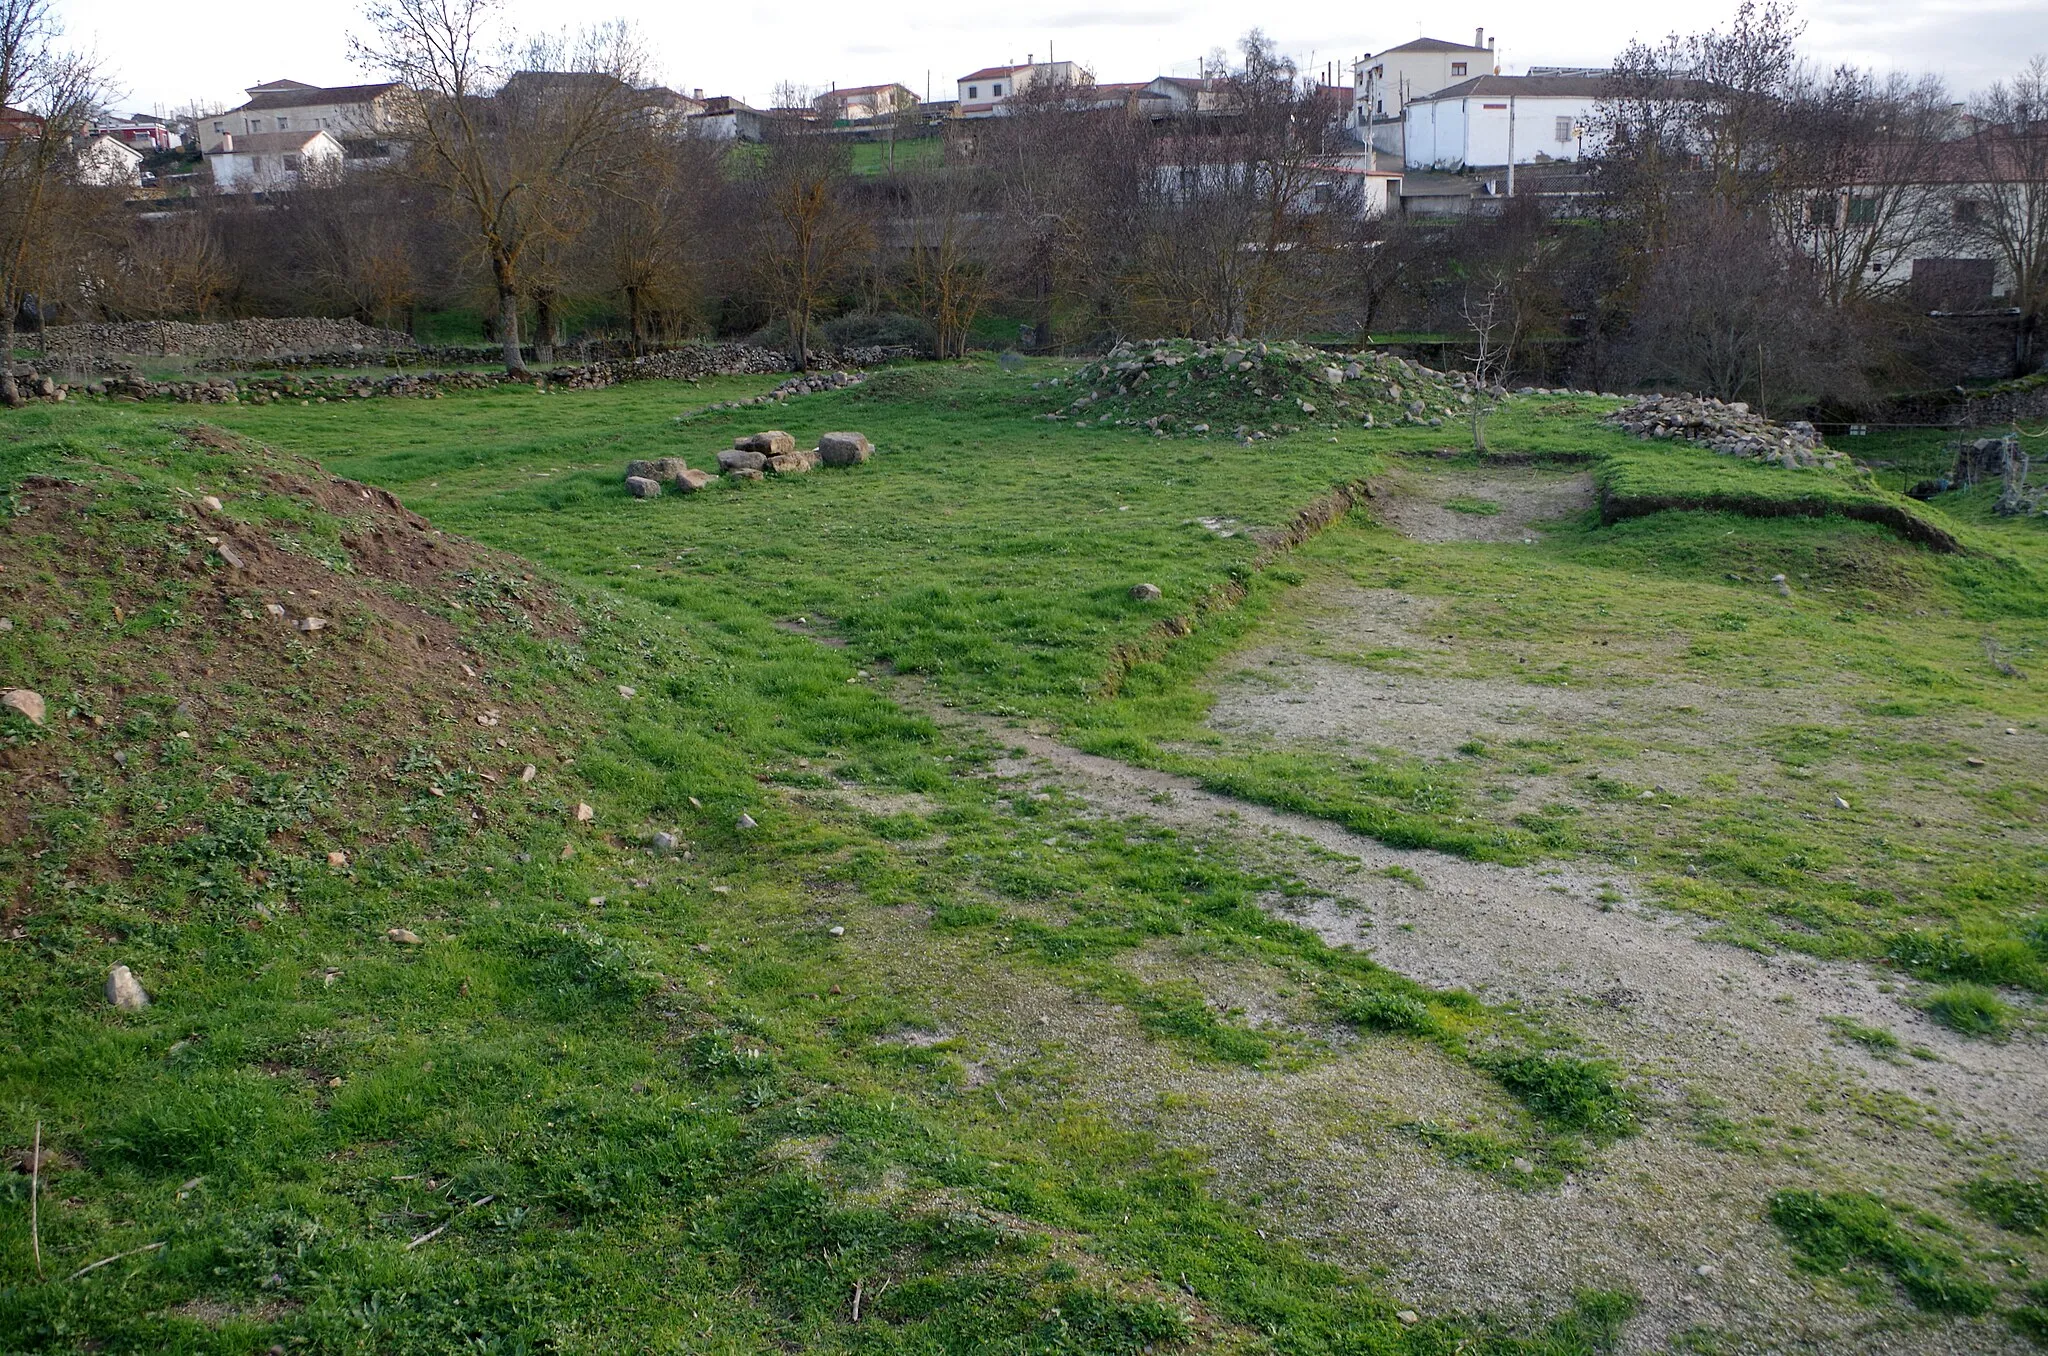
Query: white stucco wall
[1447, 134]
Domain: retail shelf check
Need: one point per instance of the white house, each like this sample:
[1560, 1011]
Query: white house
[862, 103]
[1498, 119]
[269, 161]
[107, 160]
[1384, 83]
[343, 111]
[983, 92]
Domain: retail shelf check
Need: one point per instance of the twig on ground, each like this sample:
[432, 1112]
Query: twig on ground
[95, 1266]
[435, 1232]
[35, 1191]
[858, 1286]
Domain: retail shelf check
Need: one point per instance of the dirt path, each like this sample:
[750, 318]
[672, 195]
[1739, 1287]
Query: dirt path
[1500, 504]
[1735, 1045]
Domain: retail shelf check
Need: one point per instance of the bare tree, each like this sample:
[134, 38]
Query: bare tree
[808, 238]
[57, 92]
[955, 234]
[2004, 210]
[1860, 160]
[1485, 316]
[646, 233]
[514, 157]
[1729, 310]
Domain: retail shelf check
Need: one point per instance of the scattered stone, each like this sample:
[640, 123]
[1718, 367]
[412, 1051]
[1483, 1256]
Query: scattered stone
[745, 473]
[1146, 593]
[696, 804]
[1408, 1316]
[736, 459]
[628, 692]
[1841, 804]
[26, 703]
[584, 814]
[338, 860]
[1974, 762]
[403, 936]
[660, 468]
[596, 901]
[231, 556]
[746, 821]
[793, 463]
[310, 624]
[772, 443]
[837, 932]
[641, 487]
[329, 978]
[1783, 585]
[211, 503]
[528, 773]
[689, 482]
[664, 842]
[274, 609]
[1523, 1166]
[125, 991]
[6, 624]
[844, 449]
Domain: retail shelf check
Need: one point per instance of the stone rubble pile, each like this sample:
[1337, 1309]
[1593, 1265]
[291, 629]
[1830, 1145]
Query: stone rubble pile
[228, 339]
[752, 456]
[1257, 389]
[1732, 429]
[809, 384]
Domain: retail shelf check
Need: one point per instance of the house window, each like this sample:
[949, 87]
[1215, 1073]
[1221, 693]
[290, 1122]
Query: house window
[1821, 211]
[291, 162]
[996, 90]
[1564, 129]
[1969, 212]
[974, 91]
[220, 127]
[1862, 211]
[283, 123]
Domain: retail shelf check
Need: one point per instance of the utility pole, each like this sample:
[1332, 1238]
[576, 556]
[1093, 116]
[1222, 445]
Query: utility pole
[1511, 145]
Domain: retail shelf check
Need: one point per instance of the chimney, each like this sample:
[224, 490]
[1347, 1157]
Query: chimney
[1031, 58]
[1479, 37]
[697, 94]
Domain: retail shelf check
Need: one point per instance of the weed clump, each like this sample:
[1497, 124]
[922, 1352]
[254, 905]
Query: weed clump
[2010, 1203]
[1568, 1093]
[1256, 390]
[1844, 1233]
[1970, 1009]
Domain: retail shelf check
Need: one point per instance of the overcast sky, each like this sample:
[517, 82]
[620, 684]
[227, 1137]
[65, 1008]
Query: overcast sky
[161, 58]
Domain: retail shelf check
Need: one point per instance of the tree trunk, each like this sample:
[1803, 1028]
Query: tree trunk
[544, 327]
[508, 329]
[633, 320]
[800, 338]
[10, 393]
[1479, 425]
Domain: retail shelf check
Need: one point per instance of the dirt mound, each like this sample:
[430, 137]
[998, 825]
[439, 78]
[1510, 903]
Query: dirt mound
[262, 615]
[1251, 390]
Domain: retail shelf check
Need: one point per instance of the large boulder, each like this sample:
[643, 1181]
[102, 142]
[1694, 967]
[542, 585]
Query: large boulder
[844, 449]
[744, 473]
[641, 487]
[773, 443]
[741, 459]
[689, 482]
[793, 463]
[659, 468]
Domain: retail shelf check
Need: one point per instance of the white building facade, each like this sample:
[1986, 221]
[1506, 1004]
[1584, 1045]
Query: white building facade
[267, 162]
[1384, 83]
[982, 93]
[1501, 120]
[365, 111]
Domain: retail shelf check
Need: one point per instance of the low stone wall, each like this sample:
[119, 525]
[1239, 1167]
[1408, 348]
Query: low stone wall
[228, 339]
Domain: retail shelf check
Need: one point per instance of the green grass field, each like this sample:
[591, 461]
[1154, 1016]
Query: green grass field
[620, 1097]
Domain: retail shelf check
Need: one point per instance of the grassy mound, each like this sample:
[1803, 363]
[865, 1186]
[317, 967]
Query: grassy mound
[1253, 390]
